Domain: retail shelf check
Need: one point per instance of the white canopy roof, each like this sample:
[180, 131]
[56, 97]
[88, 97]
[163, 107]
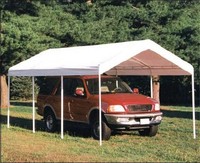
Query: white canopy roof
[143, 57]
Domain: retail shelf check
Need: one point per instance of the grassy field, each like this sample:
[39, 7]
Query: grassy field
[173, 143]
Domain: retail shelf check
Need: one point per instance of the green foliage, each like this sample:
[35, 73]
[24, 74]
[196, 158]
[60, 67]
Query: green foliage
[22, 37]
[19, 7]
[21, 88]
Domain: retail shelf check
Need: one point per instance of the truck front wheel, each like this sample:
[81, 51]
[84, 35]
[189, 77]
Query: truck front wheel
[106, 131]
[151, 131]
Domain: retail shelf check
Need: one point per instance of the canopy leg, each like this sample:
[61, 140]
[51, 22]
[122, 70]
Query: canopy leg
[62, 94]
[8, 111]
[193, 108]
[151, 86]
[33, 93]
[100, 124]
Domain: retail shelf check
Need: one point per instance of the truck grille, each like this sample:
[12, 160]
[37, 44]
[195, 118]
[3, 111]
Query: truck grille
[139, 107]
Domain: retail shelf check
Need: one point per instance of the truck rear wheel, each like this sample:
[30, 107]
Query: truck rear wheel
[152, 131]
[106, 131]
[50, 121]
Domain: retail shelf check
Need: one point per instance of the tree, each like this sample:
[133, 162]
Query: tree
[3, 90]
[20, 38]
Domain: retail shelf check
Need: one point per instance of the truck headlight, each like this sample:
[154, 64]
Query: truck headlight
[157, 107]
[115, 108]
[158, 118]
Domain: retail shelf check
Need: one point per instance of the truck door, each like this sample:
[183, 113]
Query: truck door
[78, 105]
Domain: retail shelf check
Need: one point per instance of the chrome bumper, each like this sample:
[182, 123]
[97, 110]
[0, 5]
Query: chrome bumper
[134, 119]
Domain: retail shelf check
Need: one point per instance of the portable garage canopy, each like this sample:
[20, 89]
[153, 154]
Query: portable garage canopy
[143, 57]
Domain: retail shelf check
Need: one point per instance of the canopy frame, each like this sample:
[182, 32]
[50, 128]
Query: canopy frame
[133, 58]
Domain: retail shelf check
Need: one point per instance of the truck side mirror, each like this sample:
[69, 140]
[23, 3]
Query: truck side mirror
[136, 90]
[79, 92]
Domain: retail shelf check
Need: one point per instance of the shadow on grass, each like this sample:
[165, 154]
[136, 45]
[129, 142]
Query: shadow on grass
[180, 114]
[21, 103]
[23, 123]
[77, 130]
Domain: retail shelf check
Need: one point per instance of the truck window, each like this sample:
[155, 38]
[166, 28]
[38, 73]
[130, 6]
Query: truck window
[47, 85]
[108, 86]
[70, 85]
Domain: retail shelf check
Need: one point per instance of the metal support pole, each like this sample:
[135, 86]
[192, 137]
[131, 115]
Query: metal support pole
[62, 108]
[33, 93]
[151, 86]
[193, 108]
[8, 111]
[100, 123]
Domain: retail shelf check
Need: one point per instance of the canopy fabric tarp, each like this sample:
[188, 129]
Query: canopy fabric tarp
[127, 58]
[143, 57]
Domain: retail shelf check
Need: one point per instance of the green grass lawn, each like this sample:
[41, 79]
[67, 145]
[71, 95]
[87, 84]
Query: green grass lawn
[174, 141]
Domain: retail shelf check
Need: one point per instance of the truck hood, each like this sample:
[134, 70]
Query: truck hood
[126, 98]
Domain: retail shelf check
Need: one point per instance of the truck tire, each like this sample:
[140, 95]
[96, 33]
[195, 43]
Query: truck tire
[152, 131]
[50, 121]
[106, 131]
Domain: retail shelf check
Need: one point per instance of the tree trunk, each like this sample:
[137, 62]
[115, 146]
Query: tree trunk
[156, 88]
[3, 92]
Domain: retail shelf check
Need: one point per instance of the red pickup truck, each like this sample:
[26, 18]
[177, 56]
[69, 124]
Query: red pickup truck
[122, 109]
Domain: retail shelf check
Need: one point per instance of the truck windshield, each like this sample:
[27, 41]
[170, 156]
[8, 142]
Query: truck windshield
[108, 86]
